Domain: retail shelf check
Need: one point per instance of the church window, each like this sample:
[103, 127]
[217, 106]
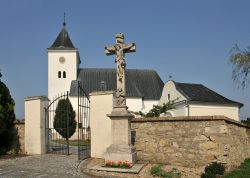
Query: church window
[64, 74]
[168, 97]
[59, 74]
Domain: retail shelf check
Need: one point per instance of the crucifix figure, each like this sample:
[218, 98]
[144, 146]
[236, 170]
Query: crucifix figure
[120, 48]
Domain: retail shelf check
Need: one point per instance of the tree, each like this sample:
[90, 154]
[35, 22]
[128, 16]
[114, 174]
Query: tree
[7, 117]
[64, 120]
[247, 121]
[240, 60]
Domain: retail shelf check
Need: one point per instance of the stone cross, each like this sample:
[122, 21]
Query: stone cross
[120, 48]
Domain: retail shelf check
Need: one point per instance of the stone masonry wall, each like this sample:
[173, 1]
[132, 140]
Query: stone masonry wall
[18, 133]
[191, 141]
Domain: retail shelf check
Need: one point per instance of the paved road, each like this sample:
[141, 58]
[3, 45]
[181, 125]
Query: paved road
[41, 166]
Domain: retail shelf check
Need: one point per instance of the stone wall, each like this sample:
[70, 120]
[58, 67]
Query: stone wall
[191, 141]
[18, 134]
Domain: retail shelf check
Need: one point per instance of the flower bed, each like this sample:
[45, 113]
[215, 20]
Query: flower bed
[118, 164]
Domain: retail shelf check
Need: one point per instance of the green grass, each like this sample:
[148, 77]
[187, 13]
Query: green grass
[158, 171]
[241, 172]
[73, 142]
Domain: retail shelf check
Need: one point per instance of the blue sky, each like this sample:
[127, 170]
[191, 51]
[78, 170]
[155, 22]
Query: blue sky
[190, 40]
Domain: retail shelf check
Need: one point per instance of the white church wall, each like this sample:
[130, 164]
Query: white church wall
[179, 110]
[148, 104]
[169, 92]
[137, 104]
[60, 85]
[231, 112]
[134, 104]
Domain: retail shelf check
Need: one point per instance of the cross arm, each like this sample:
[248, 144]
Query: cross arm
[110, 50]
[130, 48]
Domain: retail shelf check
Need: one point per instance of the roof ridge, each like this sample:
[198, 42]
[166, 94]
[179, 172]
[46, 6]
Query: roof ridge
[115, 68]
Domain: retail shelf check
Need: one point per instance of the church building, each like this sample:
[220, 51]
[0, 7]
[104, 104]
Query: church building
[198, 100]
[143, 86]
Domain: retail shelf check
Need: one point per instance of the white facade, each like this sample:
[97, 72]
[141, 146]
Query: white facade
[183, 107]
[138, 104]
[62, 69]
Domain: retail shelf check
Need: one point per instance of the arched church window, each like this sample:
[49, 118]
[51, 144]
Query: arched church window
[64, 74]
[59, 74]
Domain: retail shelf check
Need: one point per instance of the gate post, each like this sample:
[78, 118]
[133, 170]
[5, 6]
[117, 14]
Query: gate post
[35, 124]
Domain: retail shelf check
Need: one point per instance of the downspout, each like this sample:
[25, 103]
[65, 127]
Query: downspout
[187, 105]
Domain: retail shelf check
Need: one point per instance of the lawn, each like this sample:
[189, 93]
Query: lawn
[241, 172]
[73, 142]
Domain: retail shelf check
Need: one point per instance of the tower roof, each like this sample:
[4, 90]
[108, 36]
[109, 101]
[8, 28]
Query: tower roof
[62, 41]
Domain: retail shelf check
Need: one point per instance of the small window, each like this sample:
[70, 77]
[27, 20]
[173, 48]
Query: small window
[168, 97]
[59, 74]
[64, 74]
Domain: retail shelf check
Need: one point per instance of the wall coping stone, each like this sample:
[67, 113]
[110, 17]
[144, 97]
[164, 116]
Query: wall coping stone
[189, 118]
[29, 98]
[19, 122]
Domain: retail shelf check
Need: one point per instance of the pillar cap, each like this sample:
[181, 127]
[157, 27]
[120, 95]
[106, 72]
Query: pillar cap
[29, 98]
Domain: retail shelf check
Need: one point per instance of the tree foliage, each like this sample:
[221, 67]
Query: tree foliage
[64, 120]
[247, 121]
[7, 117]
[157, 110]
[240, 60]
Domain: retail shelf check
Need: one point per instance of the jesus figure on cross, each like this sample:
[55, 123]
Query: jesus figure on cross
[120, 49]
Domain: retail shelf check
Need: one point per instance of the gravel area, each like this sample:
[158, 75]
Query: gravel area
[47, 165]
[63, 166]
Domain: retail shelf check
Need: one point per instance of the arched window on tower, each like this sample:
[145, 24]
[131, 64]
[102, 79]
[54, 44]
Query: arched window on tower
[59, 74]
[64, 74]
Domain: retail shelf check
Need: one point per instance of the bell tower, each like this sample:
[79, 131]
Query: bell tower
[63, 64]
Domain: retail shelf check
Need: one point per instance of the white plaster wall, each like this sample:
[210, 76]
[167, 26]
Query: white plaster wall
[35, 124]
[134, 104]
[137, 104]
[59, 85]
[74, 102]
[149, 104]
[179, 110]
[210, 110]
[101, 104]
[169, 88]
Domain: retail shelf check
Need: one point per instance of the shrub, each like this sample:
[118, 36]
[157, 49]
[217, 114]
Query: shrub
[7, 117]
[215, 168]
[207, 175]
[65, 118]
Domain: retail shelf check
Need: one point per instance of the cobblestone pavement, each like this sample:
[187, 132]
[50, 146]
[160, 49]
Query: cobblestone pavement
[55, 166]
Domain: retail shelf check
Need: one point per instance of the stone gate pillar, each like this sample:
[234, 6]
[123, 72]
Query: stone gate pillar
[35, 124]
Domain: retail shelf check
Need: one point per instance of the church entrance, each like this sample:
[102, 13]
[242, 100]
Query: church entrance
[67, 125]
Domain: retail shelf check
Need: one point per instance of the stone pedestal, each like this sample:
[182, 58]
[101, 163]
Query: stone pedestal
[121, 148]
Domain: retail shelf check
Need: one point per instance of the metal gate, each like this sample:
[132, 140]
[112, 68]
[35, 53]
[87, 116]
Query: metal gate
[67, 129]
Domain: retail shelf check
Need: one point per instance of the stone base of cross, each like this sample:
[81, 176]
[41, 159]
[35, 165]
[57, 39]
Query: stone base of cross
[121, 148]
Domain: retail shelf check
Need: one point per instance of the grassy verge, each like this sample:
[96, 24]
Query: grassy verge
[241, 172]
[73, 142]
[159, 172]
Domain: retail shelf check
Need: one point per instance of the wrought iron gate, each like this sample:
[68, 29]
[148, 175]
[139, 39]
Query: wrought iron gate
[67, 131]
